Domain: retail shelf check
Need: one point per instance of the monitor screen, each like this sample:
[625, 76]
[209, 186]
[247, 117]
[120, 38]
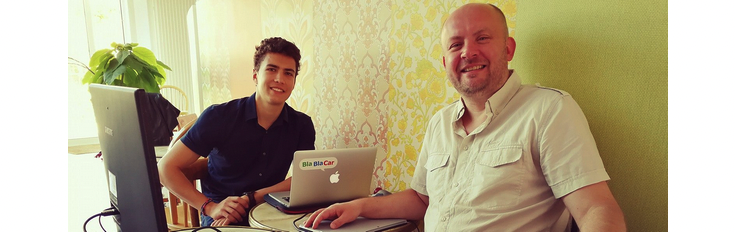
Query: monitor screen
[129, 157]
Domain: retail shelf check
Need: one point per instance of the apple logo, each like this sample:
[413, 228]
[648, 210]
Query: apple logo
[334, 178]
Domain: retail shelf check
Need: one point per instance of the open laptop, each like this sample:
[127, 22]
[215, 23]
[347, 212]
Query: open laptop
[323, 177]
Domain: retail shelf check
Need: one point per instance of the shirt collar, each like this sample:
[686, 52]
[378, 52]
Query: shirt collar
[497, 102]
[251, 113]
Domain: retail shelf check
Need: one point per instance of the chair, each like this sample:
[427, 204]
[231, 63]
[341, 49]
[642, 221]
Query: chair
[181, 215]
[183, 120]
[177, 97]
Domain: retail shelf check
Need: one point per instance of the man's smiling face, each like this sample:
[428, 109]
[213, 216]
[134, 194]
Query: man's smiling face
[275, 78]
[476, 50]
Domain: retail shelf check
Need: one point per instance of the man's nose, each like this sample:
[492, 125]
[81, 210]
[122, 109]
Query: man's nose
[469, 51]
[278, 77]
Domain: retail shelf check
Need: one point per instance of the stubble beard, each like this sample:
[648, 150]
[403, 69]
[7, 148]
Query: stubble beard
[491, 84]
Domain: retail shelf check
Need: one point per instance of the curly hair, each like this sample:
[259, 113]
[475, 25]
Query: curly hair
[277, 45]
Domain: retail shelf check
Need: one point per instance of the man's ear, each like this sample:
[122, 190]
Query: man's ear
[510, 45]
[255, 77]
[444, 62]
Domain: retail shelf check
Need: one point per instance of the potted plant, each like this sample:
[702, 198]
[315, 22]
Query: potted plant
[133, 66]
[126, 65]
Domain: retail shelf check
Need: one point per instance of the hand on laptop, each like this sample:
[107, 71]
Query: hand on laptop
[232, 209]
[339, 213]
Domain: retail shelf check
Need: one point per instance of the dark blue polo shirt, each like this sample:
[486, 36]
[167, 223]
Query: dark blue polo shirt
[242, 155]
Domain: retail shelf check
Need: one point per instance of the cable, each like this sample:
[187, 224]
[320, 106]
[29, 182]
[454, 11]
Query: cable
[106, 212]
[206, 227]
[99, 219]
[89, 219]
[297, 219]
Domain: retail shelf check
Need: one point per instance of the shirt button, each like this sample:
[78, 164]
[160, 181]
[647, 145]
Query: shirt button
[466, 147]
[444, 219]
[456, 184]
[263, 153]
[260, 174]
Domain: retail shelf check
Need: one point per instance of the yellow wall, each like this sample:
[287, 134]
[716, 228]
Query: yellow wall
[372, 76]
[371, 71]
[612, 57]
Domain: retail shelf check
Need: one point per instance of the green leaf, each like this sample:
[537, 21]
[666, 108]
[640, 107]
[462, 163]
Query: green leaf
[122, 55]
[162, 72]
[147, 83]
[145, 55]
[131, 77]
[134, 64]
[98, 78]
[153, 70]
[87, 78]
[111, 65]
[97, 57]
[112, 75]
[163, 65]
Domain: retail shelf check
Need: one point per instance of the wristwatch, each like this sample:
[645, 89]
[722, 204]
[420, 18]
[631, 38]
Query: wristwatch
[251, 199]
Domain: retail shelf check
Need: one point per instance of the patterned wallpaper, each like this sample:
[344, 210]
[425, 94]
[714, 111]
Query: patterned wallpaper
[371, 72]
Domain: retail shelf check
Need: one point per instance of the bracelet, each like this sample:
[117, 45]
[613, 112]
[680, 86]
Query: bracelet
[209, 200]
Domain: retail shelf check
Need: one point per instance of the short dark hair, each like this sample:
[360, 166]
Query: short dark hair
[277, 45]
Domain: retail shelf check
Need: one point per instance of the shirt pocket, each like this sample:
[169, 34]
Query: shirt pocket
[437, 174]
[498, 175]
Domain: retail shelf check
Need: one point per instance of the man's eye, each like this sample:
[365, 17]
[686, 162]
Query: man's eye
[289, 73]
[453, 45]
[483, 38]
[270, 69]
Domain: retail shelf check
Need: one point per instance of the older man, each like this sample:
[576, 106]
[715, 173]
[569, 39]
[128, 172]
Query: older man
[505, 157]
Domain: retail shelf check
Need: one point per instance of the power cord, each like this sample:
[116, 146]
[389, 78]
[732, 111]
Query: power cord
[106, 212]
[297, 219]
[206, 227]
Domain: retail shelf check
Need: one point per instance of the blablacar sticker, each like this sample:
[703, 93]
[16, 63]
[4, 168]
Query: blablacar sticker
[318, 163]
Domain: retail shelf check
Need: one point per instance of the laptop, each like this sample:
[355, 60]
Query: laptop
[324, 177]
[359, 224]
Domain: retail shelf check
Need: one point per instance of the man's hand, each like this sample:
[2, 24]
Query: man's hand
[232, 209]
[341, 213]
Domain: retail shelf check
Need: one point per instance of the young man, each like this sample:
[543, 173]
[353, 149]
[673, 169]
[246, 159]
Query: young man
[506, 157]
[249, 142]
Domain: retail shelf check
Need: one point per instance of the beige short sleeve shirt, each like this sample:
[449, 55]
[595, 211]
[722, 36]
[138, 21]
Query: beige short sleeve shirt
[508, 175]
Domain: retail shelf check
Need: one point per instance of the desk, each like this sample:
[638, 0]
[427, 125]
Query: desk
[226, 228]
[267, 217]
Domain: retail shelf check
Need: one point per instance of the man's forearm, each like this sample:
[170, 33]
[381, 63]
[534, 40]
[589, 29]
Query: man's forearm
[284, 185]
[176, 182]
[405, 204]
[608, 218]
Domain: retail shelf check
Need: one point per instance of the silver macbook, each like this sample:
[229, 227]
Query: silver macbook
[322, 177]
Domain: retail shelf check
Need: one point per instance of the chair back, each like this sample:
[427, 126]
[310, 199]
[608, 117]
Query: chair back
[177, 97]
[181, 215]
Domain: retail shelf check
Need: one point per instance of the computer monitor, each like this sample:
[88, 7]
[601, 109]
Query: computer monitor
[129, 157]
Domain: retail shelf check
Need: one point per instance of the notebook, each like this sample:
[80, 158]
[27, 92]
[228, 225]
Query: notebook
[359, 224]
[324, 177]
